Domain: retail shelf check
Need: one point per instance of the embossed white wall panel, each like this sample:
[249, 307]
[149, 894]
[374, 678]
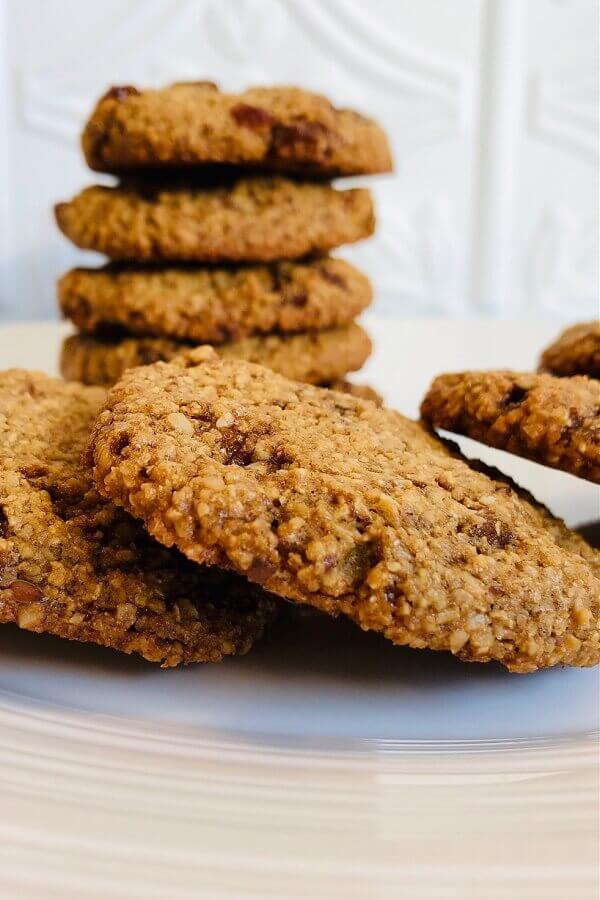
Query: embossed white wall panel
[557, 220]
[469, 222]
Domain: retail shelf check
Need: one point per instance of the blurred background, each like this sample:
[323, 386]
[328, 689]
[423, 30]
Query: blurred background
[491, 106]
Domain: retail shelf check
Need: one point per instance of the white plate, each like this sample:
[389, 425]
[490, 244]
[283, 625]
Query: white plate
[326, 763]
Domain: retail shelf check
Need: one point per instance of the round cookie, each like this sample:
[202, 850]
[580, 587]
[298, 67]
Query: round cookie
[332, 502]
[74, 565]
[576, 351]
[247, 220]
[193, 123]
[215, 304]
[554, 421]
[313, 356]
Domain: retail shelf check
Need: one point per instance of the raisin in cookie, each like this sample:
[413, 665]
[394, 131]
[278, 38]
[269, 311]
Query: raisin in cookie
[327, 500]
[554, 421]
[576, 351]
[192, 123]
[74, 565]
[214, 304]
[247, 220]
[314, 356]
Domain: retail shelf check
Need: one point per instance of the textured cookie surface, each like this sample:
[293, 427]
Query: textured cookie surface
[248, 220]
[362, 391]
[554, 421]
[276, 128]
[74, 565]
[315, 356]
[215, 304]
[575, 352]
[330, 501]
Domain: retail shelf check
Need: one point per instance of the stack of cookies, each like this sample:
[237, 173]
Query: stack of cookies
[219, 231]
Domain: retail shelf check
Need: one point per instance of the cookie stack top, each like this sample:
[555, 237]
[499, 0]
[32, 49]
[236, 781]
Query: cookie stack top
[192, 163]
[218, 230]
[283, 129]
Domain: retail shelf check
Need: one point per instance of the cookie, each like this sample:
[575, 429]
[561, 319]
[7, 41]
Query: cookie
[329, 501]
[554, 421]
[313, 356]
[215, 304]
[74, 565]
[247, 220]
[194, 123]
[576, 351]
[363, 391]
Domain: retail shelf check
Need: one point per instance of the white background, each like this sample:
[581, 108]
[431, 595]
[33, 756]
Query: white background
[491, 105]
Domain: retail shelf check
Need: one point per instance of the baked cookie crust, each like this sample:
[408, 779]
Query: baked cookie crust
[214, 304]
[274, 128]
[327, 500]
[247, 220]
[554, 421]
[74, 565]
[314, 357]
[362, 391]
[576, 351]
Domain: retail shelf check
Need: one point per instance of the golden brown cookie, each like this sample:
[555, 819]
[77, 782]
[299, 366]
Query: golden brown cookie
[248, 220]
[332, 502]
[362, 391]
[313, 356]
[576, 351]
[554, 421]
[192, 123]
[74, 565]
[215, 304]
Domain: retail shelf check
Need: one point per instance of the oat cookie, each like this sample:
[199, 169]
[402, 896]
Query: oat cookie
[314, 356]
[554, 421]
[575, 352]
[74, 565]
[274, 128]
[332, 502]
[215, 304]
[362, 391]
[248, 220]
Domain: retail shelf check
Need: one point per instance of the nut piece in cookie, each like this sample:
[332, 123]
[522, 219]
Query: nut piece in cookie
[554, 421]
[74, 565]
[193, 123]
[329, 501]
[576, 351]
[258, 219]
